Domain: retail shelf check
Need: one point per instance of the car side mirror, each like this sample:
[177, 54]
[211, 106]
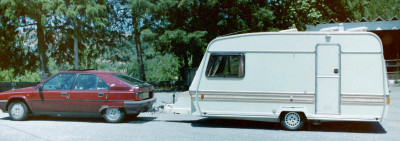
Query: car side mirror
[41, 88]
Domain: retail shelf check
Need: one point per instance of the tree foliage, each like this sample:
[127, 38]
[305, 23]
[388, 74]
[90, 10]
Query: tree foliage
[185, 27]
[84, 21]
[150, 39]
[37, 11]
[140, 9]
[54, 23]
[122, 58]
[16, 57]
[297, 14]
[371, 9]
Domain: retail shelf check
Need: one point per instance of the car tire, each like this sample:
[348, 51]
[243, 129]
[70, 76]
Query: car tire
[292, 121]
[18, 111]
[114, 115]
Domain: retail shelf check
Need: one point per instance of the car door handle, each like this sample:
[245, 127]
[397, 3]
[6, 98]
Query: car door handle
[64, 94]
[100, 94]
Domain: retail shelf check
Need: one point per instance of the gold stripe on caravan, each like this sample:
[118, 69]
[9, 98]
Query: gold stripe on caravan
[363, 99]
[291, 97]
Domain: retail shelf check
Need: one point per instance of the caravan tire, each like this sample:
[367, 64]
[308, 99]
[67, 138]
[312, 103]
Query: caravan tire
[292, 121]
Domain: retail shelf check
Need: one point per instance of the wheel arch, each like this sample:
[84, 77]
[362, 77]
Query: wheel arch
[301, 110]
[22, 99]
[105, 107]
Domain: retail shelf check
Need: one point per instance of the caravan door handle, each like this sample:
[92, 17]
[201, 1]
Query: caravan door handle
[336, 71]
[100, 94]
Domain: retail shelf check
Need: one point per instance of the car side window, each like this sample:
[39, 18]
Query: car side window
[62, 81]
[221, 65]
[90, 82]
[101, 85]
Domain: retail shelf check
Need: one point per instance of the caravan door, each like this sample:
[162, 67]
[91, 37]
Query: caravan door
[327, 79]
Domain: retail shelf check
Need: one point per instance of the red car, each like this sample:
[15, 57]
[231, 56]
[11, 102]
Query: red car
[86, 92]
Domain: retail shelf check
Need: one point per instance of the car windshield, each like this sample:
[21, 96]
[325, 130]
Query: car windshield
[131, 80]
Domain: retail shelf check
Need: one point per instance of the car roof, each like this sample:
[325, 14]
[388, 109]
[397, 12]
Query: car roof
[89, 71]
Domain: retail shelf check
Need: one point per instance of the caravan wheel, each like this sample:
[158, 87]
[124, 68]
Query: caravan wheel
[292, 121]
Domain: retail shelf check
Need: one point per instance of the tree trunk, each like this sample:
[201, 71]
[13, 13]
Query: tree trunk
[76, 62]
[184, 64]
[139, 51]
[44, 71]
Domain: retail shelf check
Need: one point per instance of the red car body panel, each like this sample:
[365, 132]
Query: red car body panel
[119, 95]
[52, 101]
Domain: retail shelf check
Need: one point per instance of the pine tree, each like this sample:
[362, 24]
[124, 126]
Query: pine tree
[38, 11]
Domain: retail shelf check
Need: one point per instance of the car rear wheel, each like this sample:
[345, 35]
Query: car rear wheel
[18, 111]
[292, 121]
[114, 115]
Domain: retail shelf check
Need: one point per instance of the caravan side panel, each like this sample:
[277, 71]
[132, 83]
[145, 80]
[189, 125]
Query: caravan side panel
[280, 74]
[276, 75]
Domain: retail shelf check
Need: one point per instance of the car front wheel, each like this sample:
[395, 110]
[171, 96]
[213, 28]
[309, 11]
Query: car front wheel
[18, 111]
[114, 115]
[292, 121]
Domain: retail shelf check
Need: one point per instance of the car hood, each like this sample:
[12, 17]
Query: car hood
[29, 89]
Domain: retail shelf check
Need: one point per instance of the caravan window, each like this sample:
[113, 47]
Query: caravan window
[225, 65]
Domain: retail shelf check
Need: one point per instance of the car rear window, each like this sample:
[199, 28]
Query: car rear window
[131, 80]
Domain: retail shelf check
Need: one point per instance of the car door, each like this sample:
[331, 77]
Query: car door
[88, 94]
[53, 95]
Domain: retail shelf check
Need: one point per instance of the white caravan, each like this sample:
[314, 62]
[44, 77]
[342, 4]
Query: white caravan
[292, 78]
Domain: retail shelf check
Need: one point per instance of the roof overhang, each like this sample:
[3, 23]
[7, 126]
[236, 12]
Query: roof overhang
[363, 25]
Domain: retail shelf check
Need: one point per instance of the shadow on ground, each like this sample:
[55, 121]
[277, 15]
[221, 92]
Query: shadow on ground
[93, 119]
[63, 118]
[349, 127]
[140, 120]
[352, 127]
